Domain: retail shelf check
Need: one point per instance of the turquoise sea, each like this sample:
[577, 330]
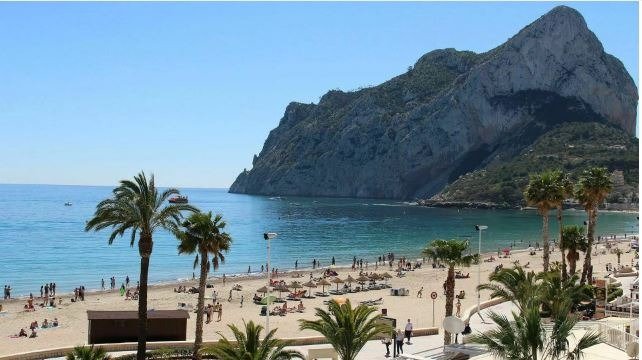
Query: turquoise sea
[41, 240]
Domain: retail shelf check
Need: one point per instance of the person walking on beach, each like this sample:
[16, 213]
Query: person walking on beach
[408, 331]
[220, 312]
[458, 313]
[224, 279]
[41, 291]
[242, 298]
[229, 298]
[127, 281]
[333, 261]
[248, 269]
[296, 264]
[102, 284]
[420, 293]
[399, 340]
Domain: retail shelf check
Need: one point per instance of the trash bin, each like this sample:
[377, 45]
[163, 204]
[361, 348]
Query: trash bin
[384, 312]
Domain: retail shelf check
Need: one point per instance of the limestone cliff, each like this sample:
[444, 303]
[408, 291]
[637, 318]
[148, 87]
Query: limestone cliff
[448, 115]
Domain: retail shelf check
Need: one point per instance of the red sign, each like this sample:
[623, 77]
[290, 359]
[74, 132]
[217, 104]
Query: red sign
[433, 295]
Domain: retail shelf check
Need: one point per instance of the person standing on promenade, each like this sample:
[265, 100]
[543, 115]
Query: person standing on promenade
[408, 331]
[399, 341]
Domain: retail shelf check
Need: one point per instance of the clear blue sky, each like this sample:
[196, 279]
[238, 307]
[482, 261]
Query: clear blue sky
[91, 93]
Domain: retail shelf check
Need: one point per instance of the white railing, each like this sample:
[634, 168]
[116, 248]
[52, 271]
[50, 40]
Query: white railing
[615, 336]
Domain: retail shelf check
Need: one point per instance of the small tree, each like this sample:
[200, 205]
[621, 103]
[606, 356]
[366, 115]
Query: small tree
[346, 328]
[452, 253]
[88, 353]
[524, 338]
[248, 346]
[515, 285]
[618, 253]
[573, 241]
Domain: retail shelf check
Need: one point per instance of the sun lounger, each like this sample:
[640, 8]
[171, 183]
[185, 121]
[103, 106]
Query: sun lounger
[378, 301]
[321, 294]
[336, 292]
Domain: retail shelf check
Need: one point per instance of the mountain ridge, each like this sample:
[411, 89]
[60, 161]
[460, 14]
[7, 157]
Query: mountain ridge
[410, 136]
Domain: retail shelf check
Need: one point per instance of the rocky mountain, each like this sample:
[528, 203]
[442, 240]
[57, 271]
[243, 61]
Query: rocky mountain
[452, 113]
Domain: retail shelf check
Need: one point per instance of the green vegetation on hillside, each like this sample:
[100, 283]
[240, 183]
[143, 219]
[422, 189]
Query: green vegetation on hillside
[570, 147]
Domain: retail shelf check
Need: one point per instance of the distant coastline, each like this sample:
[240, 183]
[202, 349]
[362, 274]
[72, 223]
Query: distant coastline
[631, 208]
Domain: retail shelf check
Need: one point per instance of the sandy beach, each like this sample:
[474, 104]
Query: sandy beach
[73, 316]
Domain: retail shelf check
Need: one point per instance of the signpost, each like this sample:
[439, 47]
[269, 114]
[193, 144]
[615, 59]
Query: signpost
[393, 325]
[433, 296]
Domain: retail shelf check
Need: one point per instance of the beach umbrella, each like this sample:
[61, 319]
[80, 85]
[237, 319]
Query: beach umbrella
[281, 288]
[362, 278]
[263, 289]
[323, 284]
[337, 281]
[350, 279]
[506, 251]
[373, 276]
[310, 284]
[295, 285]
[385, 276]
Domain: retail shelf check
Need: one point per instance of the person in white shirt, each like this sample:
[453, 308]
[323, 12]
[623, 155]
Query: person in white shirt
[408, 331]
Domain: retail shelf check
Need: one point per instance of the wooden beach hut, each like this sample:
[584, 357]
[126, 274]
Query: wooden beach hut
[122, 326]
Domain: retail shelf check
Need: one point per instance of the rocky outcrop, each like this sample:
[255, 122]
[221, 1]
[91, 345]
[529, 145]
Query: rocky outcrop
[412, 135]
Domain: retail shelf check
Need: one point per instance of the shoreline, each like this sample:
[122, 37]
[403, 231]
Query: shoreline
[164, 284]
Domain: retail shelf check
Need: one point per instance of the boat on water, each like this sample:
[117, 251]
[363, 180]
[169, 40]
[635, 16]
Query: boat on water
[180, 199]
[68, 203]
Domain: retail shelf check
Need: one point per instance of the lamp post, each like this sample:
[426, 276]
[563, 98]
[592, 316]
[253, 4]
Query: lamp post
[479, 261]
[268, 236]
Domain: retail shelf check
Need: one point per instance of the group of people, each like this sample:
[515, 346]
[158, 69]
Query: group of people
[79, 293]
[7, 292]
[47, 290]
[211, 309]
[34, 325]
[112, 283]
[284, 309]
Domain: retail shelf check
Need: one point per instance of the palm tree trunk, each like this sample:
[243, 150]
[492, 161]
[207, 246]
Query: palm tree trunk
[587, 271]
[450, 298]
[572, 257]
[145, 245]
[546, 254]
[559, 221]
[198, 341]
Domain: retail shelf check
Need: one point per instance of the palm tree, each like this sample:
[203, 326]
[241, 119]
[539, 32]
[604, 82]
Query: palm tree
[138, 206]
[558, 296]
[515, 285]
[524, 338]
[565, 188]
[203, 235]
[593, 187]
[88, 353]
[248, 346]
[346, 328]
[544, 193]
[450, 252]
[573, 241]
[618, 252]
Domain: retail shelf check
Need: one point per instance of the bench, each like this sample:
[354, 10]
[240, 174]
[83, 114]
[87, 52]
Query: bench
[322, 353]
